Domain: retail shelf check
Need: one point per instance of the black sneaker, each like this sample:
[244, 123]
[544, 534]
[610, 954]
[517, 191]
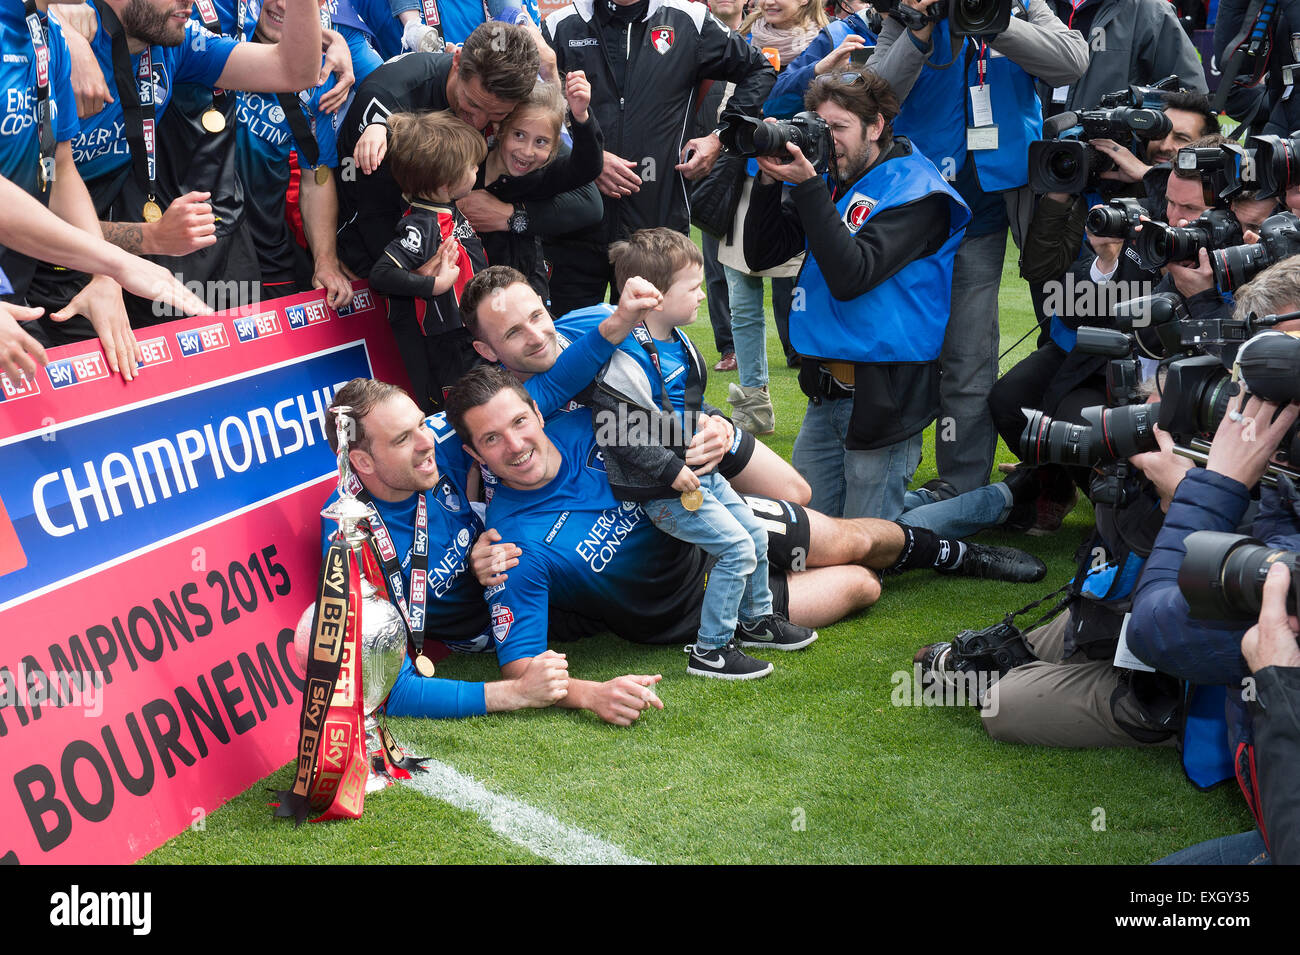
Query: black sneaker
[725, 663]
[999, 563]
[776, 632]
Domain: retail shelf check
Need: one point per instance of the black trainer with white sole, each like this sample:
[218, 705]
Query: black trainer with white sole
[725, 663]
[999, 563]
[775, 632]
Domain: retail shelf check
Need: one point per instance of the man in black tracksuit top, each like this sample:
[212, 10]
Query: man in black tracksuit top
[646, 60]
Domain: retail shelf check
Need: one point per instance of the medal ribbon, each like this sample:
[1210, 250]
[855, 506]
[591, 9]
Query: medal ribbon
[414, 613]
[208, 14]
[135, 91]
[334, 642]
[308, 149]
[44, 120]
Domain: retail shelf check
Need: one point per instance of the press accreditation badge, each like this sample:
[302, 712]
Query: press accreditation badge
[981, 137]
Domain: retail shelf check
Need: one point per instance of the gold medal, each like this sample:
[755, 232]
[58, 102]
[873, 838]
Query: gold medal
[322, 175]
[424, 666]
[691, 500]
[152, 212]
[213, 120]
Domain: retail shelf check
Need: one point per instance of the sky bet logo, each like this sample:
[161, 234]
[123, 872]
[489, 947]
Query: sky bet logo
[361, 301]
[251, 327]
[23, 387]
[310, 313]
[198, 340]
[74, 371]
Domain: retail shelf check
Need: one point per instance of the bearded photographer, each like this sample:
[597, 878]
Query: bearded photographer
[875, 308]
[1216, 497]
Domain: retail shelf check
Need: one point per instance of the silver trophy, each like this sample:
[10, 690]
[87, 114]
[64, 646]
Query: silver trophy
[383, 631]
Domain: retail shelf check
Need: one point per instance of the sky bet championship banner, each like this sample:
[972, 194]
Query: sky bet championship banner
[158, 541]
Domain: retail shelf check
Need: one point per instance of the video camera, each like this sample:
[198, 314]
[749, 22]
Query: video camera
[965, 17]
[1065, 160]
[746, 136]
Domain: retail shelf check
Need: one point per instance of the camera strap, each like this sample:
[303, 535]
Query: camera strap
[1257, 11]
[1056, 608]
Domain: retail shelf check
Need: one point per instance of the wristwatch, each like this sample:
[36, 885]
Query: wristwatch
[518, 221]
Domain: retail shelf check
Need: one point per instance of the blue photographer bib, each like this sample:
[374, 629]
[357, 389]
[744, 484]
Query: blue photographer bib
[903, 318]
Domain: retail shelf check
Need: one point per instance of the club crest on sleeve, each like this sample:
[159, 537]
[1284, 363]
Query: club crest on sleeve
[859, 208]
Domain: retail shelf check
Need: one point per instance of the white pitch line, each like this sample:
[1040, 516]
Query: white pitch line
[537, 831]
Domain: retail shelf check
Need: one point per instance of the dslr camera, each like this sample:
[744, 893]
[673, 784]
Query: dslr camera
[1222, 575]
[748, 137]
[965, 17]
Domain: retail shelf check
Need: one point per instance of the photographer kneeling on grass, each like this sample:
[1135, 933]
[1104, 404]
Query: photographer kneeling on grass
[1208, 653]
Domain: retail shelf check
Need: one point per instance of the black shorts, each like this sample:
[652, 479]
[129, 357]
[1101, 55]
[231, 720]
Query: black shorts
[788, 533]
[787, 550]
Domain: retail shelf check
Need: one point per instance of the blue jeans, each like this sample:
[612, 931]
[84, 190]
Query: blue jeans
[965, 438]
[851, 483]
[726, 528]
[748, 326]
[1246, 848]
[874, 483]
[959, 516]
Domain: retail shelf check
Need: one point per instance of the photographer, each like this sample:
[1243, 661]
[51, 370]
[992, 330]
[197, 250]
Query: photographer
[975, 123]
[1065, 683]
[1216, 497]
[875, 308]
[1257, 93]
[1062, 381]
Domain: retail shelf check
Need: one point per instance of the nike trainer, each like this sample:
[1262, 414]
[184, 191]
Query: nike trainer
[725, 663]
[774, 631]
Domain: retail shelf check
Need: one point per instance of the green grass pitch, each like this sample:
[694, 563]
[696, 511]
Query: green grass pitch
[813, 764]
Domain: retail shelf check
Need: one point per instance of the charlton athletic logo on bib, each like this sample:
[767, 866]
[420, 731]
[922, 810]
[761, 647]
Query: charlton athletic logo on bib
[662, 39]
[859, 208]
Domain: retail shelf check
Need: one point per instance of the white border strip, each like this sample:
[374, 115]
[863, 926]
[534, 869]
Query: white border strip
[538, 832]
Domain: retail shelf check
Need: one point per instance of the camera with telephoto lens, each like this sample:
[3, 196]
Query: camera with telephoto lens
[1222, 575]
[1116, 220]
[965, 17]
[748, 137]
[1279, 238]
[1065, 159]
[1159, 244]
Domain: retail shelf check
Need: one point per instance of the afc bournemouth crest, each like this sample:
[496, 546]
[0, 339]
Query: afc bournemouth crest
[661, 38]
[859, 208]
